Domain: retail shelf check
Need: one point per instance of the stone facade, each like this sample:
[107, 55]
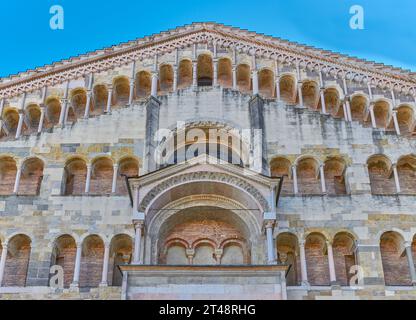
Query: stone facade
[330, 201]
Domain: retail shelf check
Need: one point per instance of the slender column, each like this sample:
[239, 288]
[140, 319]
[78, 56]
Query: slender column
[64, 105]
[278, 89]
[269, 236]
[42, 118]
[215, 80]
[303, 268]
[409, 255]
[104, 275]
[131, 93]
[175, 78]
[300, 93]
[194, 74]
[370, 93]
[17, 180]
[348, 107]
[393, 97]
[322, 176]
[77, 268]
[396, 178]
[88, 180]
[344, 108]
[20, 124]
[255, 82]
[295, 179]
[396, 122]
[138, 226]
[331, 263]
[218, 255]
[372, 116]
[115, 175]
[323, 104]
[87, 105]
[234, 77]
[3, 262]
[154, 84]
[190, 253]
[1, 107]
[109, 98]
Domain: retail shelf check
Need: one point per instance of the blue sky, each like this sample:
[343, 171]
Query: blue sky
[389, 35]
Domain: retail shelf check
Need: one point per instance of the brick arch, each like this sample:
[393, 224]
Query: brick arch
[381, 176]
[166, 78]
[121, 248]
[78, 101]
[334, 171]
[307, 168]
[282, 167]
[17, 261]
[143, 83]
[10, 121]
[266, 82]
[185, 73]
[243, 77]
[343, 247]
[382, 112]
[63, 254]
[31, 177]
[332, 97]
[100, 94]
[317, 259]
[287, 85]
[406, 170]
[359, 107]
[102, 169]
[225, 73]
[8, 170]
[287, 246]
[75, 175]
[394, 260]
[310, 93]
[53, 111]
[406, 119]
[32, 114]
[128, 166]
[121, 90]
[91, 261]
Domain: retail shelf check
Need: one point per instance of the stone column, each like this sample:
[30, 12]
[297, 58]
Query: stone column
[64, 105]
[295, 180]
[175, 78]
[87, 105]
[104, 275]
[409, 255]
[303, 268]
[218, 255]
[1, 107]
[88, 180]
[3, 261]
[190, 253]
[370, 93]
[331, 263]
[115, 176]
[153, 90]
[138, 227]
[322, 176]
[278, 89]
[372, 116]
[396, 178]
[131, 94]
[77, 267]
[215, 73]
[348, 107]
[396, 122]
[109, 98]
[255, 82]
[234, 77]
[270, 247]
[20, 124]
[323, 104]
[393, 97]
[17, 180]
[300, 93]
[194, 73]
[42, 118]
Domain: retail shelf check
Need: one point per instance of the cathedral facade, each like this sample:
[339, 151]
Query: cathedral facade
[208, 162]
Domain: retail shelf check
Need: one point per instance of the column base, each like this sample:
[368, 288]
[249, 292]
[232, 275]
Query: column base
[74, 286]
[103, 284]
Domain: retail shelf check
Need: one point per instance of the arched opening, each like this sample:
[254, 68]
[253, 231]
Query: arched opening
[63, 255]
[358, 106]
[243, 78]
[406, 169]
[205, 235]
[406, 119]
[32, 117]
[75, 177]
[266, 83]
[53, 111]
[288, 253]
[17, 261]
[101, 176]
[281, 167]
[225, 73]
[344, 257]
[204, 70]
[334, 170]
[166, 78]
[287, 84]
[394, 260]
[8, 171]
[310, 94]
[31, 177]
[78, 100]
[381, 113]
[317, 259]
[333, 102]
[120, 253]
[143, 84]
[121, 91]
[11, 121]
[381, 175]
[100, 99]
[91, 262]
[184, 74]
[308, 176]
[128, 167]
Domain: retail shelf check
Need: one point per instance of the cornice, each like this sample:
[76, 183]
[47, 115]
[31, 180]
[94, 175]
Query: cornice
[336, 65]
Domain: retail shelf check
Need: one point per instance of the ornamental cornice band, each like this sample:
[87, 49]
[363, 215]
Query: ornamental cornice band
[243, 41]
